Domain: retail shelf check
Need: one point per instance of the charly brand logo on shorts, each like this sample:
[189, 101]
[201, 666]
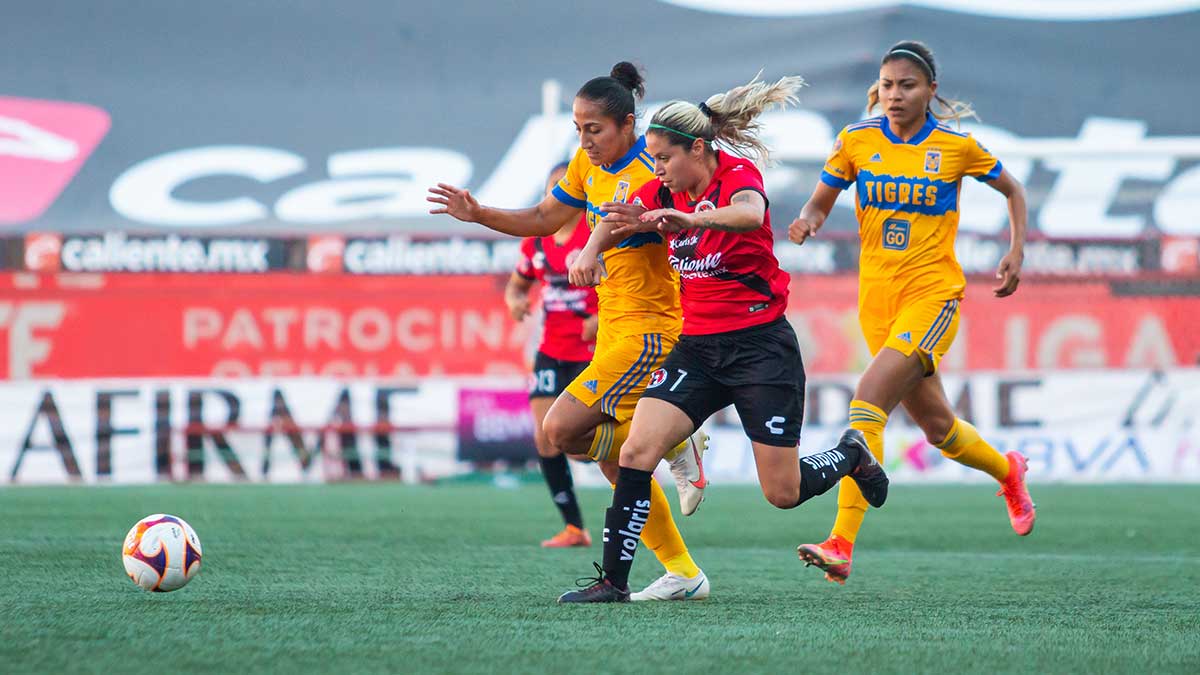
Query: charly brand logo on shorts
[1038, 10]
[42, 146]
[657, 377]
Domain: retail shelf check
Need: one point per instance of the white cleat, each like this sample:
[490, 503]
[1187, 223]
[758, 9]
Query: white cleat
[688, 471]
[674, 587]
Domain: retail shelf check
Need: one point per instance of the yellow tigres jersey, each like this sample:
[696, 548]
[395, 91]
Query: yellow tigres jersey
[640, 291]
[907, 201]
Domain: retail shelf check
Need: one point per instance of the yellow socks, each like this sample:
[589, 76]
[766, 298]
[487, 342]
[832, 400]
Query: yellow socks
[852, 508]
[609, 436]
[677, 450]
[661, 536]
[607, 441]
[964, 445]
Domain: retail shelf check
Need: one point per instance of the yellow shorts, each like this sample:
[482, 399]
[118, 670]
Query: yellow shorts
[619, 371]
[927, 327]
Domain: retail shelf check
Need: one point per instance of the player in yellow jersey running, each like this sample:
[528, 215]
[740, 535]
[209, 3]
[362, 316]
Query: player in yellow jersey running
[639, 311]
[908, 169]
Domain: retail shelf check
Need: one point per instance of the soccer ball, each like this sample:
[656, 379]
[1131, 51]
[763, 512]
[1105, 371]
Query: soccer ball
[161, 553]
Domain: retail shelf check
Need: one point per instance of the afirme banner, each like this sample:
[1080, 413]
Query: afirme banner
[1074, 426]
[287, 325]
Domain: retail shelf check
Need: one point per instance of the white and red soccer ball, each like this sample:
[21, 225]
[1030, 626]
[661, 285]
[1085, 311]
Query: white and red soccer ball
[161, 553]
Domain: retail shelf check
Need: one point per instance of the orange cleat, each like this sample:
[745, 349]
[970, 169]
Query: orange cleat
[831, 555]
[1021, 509]
[570, 536]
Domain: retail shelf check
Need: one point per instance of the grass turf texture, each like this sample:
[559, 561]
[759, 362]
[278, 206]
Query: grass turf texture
[387, 578]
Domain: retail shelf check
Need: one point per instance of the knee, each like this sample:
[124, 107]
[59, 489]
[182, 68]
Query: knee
[638, 454]
[782, 497]
[555, 435]
[543, 445]
[936, 427]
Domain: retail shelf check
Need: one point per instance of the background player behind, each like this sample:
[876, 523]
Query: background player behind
[736, 345]
[638, 300]
[909, 168]
[568, 340]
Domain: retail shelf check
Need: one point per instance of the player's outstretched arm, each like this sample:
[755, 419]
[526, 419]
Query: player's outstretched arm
[541, 220]
[814, 213]
[744, 213]
[1009, 269]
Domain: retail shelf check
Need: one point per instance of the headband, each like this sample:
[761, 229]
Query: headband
[675, 131]
[918, 57]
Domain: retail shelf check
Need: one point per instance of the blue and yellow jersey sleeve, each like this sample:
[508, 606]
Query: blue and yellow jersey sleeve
[839, 170]
[570, 188]
[979, 163]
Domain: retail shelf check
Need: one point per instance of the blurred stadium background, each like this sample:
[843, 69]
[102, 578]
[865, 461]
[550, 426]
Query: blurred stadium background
[217, 264]
[215, 233]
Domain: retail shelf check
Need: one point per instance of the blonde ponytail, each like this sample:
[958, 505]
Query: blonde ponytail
[731, 118]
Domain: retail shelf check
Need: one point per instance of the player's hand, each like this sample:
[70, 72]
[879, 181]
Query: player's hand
[669, 220]
[591, 326]
[455, 202]
[624, 219]
[518, 309]
[801, 229]
[585, 271]
[1009, 274]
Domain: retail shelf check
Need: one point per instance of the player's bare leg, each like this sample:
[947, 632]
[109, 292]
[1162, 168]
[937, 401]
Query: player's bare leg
[888, 377]
[570, 424]
[662, 426]
[576, 429]
[557, 473]
[565, 423]
[958, 440]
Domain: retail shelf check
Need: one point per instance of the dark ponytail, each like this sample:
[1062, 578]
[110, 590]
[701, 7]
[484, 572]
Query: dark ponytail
[617, 92]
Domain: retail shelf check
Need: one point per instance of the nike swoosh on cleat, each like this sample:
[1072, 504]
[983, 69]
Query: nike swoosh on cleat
[701, 483]
[688, 594]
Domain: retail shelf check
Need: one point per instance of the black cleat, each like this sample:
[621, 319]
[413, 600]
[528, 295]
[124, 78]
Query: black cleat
[595, 589]
[869, 475]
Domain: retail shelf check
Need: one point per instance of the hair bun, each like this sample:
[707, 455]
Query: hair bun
[630, 77]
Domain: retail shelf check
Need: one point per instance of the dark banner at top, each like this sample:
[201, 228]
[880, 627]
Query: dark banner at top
[232, 119]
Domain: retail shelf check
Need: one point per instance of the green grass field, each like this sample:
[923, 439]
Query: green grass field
[388, 578]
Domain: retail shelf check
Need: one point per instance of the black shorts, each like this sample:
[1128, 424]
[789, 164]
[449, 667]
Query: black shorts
[551, 376]
[758, 370]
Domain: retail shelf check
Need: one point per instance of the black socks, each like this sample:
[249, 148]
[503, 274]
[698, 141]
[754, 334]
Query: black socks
[820, 472]
[623, 524]
[557, 473]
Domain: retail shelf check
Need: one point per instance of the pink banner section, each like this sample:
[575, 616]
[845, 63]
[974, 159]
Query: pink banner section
[494, 424]
[281, 324]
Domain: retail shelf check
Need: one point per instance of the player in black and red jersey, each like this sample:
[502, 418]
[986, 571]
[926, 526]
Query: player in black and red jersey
[568, 341]
[736, 346]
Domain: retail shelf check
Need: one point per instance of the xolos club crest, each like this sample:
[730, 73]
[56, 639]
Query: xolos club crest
[656, 378]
